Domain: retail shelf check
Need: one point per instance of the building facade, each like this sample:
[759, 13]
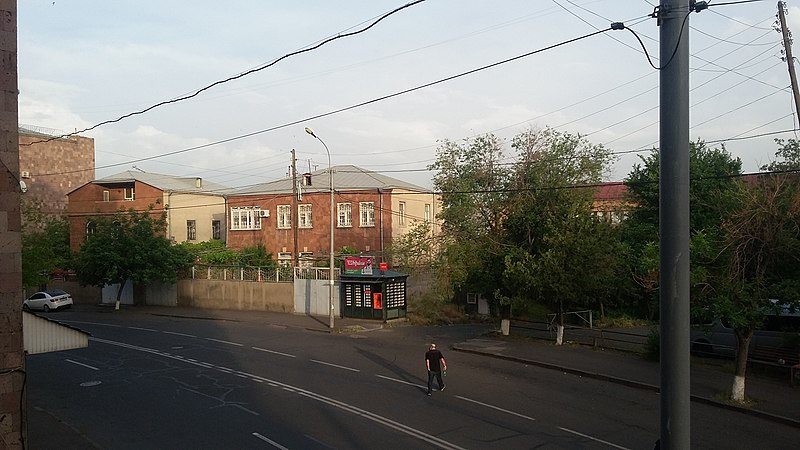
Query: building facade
[194, 208]
[370, 211]
[51, 167]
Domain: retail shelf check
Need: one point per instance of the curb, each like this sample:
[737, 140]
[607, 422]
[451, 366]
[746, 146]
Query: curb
[635, 384]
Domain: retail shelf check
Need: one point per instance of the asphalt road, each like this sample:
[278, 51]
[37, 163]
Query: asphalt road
[164, 382]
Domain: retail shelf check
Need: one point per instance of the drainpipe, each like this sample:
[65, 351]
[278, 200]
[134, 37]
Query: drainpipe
[169, 216]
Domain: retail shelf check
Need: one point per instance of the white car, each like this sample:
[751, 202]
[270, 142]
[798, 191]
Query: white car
[48, 300]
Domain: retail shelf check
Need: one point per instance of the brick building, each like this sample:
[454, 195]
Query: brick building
[52, 168]
[195, 208]
[371, 209]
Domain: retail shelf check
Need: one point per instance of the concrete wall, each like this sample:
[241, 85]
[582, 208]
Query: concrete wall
[238, 295]
[81, 295]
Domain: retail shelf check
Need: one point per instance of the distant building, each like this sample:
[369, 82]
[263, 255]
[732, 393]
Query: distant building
[611, 202]
[195, 208]
[371, 209]
[50, 168]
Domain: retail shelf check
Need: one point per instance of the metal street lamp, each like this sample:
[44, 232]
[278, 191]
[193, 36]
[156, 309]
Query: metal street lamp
[330, 176]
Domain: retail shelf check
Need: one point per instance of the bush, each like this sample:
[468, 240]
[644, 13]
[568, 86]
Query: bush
[652, 347]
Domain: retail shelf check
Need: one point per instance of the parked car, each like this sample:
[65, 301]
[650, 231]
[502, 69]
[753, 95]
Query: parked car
[776, 342]
[48, 301]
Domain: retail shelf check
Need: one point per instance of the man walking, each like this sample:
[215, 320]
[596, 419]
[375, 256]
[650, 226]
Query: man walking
[435, 363]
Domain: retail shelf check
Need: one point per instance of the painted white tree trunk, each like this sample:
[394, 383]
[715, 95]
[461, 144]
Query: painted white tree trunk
[559, 334]
[505, 326]
[737, 392]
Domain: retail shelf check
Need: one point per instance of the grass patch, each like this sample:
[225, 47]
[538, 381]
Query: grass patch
[623, 321]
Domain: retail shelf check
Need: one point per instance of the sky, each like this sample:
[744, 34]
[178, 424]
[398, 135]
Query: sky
[84, 62]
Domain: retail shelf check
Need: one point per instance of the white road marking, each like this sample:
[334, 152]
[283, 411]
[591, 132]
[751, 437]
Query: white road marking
[378, 419]
[496, 408]
[179, 334]
[334, 365]
[224, 342]
[402, 381]
[82, 364]
[91, 323]
[144, 329]
[592, 438]
[274, 352]
[266, 439]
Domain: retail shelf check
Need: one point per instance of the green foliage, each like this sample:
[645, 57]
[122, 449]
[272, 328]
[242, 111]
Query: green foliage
[129, 246]
[211, 253]
[45, 246]
[652, 346]
[256, 256]
[413, 249]
[787, 156]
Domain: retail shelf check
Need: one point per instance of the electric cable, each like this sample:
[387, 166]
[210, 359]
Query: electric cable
[236, 77]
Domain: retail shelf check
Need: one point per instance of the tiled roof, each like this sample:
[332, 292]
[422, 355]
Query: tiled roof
[345, 178]
[611, 191]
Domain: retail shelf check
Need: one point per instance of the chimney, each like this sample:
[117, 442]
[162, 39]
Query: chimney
[198, 182]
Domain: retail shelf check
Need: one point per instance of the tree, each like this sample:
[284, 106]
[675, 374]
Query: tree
[473, 183]
[129, 246]
[715, 177]
[558, 241]
[45, 245]
[760, 260]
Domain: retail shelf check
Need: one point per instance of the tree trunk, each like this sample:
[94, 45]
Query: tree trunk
[560, 325]
[119, 294]
[742, 350]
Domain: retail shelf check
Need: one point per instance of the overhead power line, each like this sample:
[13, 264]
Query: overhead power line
[235, 77]
[346, 108]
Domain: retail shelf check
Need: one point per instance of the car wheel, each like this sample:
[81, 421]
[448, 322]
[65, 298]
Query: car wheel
[46, 308]
[25, 308]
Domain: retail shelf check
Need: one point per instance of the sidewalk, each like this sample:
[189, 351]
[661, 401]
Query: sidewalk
[774, 399]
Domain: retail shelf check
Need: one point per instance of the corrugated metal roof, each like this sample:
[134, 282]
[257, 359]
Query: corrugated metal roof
[167, 183]
[345, 178]
[42, 335]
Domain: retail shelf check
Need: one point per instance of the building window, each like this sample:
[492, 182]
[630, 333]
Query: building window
[402, 214]
[191, 230]
[129, 194]
[427, 212]
[284, 216]
[304, 216]
[106, 196]
[367, 211]
[90, 227]
[345, 213]
[216, 229]
[246, 218]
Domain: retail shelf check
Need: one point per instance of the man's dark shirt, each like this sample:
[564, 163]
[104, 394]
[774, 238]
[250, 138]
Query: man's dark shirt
[434, 357]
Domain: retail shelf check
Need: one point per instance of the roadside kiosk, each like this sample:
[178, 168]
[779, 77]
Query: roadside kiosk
[372, 294]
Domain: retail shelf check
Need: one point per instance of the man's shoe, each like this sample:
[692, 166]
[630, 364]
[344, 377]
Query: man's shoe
[442, 388]
[429, 393]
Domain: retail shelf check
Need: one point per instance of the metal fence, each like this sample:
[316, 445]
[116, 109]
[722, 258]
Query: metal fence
[281, 274]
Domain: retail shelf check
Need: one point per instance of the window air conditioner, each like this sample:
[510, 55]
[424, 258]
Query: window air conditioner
[263, 213]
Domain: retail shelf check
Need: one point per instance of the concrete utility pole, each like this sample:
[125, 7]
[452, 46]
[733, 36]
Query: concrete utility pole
[674, 223]
[296, 221]
[787, 48]
[12, 358]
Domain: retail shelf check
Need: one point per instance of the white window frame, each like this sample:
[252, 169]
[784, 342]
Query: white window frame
[367, 212]
[304, 215]
[191, 230]
[427, 212]
[285, 259]
[216, 229]
[402, 213]
[245, 218]
[344, 214]
[284, 216]
[106, 196]
[129, 193]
